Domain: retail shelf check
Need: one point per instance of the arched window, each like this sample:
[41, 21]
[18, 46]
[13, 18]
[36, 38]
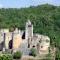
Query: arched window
[23, 36]
[10, 44]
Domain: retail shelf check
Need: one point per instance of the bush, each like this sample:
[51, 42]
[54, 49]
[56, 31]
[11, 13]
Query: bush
[6, 57]
[17, 55]
[0, 57]
[33, 52]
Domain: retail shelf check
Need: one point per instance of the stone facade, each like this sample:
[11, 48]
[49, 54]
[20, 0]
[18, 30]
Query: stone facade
[17, 40]
[8, 37]
[11, 40]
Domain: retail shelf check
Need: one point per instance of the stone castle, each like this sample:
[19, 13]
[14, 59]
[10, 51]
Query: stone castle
[23, 41]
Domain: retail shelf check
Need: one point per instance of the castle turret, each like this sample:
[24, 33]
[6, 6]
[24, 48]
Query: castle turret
[29, 30]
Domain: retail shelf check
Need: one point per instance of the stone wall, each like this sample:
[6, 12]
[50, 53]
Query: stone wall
[17, 40]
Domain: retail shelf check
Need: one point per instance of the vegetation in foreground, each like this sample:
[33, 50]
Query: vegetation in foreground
[7, 56]
[33, 52]
[17, 55]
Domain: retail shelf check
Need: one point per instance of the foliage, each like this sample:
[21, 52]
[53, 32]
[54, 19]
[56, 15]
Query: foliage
[17, 55]
[57, 55]
[33, 52]
[6, 57]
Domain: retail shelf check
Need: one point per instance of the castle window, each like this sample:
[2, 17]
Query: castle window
[33, 45]
[28, 45]
[23, 36]
[39, 41]
[29, 26]
[41, 46]
[10, 44]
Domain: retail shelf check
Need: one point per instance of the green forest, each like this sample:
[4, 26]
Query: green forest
[45, 19]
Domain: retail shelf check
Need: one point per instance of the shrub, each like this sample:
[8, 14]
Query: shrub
[17, 55]
[6, 57]
[33, 52]
[0, 57]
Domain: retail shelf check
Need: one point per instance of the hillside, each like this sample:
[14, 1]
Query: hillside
[45, 18]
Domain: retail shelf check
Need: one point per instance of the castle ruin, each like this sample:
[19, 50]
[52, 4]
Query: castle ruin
[13, 40]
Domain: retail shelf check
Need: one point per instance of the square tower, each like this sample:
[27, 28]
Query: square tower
[28, 30]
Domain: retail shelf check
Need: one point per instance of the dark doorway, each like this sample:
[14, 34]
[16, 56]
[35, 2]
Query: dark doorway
[10, 44]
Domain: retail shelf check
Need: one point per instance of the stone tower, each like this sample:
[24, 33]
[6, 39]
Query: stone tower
[28, 30]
